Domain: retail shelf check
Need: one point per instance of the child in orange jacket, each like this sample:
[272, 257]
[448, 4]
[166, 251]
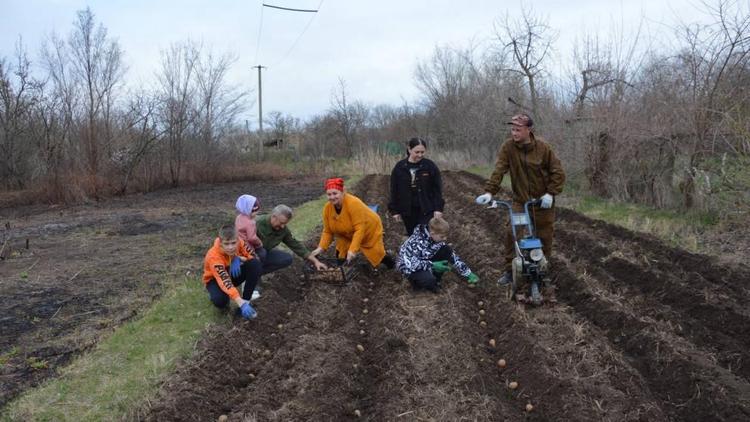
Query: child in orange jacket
[227, 265]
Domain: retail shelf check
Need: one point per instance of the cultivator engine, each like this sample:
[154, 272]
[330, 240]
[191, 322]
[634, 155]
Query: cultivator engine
[335, 274]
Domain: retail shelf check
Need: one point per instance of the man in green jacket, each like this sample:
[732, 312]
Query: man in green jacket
[535, 172]
[272, 230]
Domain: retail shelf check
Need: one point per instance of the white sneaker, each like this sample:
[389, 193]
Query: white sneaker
[256, 295]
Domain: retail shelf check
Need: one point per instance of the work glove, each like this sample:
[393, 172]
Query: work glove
[441, 267]
[546, 201]
[247, 311]
[484, 199]
[235, 267]
[472, 278]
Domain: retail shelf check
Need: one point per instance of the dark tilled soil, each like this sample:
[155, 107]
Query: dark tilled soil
[89, 268]
[641, 332]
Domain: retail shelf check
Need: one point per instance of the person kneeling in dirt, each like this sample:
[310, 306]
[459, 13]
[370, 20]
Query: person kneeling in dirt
[354, 225]
[425, 257]
[272, 230]
[227, 265]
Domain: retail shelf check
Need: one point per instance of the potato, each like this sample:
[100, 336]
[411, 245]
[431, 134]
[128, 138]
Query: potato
[357, 413]
[362, 332]
[482, 323]
[280, 326]
[501, 363]
[513, 385]
[365, 300]
[365, 311]
[223, 418]
[492, 342]
[481, 312]
[289, 313]
[480, 303]
[361, 321]
[529, 407]
[361, 348]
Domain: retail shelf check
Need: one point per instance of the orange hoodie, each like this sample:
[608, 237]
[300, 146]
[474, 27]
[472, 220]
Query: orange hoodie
[216, 267]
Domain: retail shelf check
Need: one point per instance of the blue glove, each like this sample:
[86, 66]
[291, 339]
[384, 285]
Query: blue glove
[234, 267]
[247, 311]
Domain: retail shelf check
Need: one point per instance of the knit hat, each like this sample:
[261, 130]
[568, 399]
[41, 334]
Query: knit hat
[247, 204]
[335, 183]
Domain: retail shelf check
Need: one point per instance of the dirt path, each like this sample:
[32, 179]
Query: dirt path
[89, 268]
[643, 332]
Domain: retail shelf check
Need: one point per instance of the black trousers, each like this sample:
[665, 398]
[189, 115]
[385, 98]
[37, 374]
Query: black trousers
[250, 274]
[414, 218]
[428, 280]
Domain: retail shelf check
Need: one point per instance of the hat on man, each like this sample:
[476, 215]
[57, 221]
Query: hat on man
[521, 120]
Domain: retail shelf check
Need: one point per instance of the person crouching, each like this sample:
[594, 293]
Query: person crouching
[424, 257]
[227, 265]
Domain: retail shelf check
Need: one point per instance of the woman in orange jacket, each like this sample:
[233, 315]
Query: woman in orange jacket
[353, 225]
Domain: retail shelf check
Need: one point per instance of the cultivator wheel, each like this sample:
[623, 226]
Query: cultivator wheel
[511, 290]
[536, 295]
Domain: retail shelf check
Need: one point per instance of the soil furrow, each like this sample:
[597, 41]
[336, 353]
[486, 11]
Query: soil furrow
[712, 326]
[614, 349]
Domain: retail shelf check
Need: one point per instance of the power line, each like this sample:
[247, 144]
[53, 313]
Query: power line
[260, 29]
[300, 36]
[292, 10]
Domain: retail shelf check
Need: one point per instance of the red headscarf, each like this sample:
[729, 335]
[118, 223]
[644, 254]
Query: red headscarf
[335, 183]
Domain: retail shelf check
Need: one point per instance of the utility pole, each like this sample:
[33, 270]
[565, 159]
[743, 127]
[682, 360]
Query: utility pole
[260, 111]
[260, 98]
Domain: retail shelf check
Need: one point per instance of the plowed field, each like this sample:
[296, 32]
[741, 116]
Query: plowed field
[641, 332]
[70, 274]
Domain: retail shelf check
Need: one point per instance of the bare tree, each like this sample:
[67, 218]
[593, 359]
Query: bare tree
[140, 135]
[715, 57]
[219, 103]
[528, 39]
[19, 94]
[602, 69]
[281, 126]
[177, 111]
[96, 63]
[350, 117]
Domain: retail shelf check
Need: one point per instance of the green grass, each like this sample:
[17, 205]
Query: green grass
[680, 229]
[125, 368]
[115, 380]
[7, 356]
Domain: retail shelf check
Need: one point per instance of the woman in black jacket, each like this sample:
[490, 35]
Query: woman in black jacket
[416, 188]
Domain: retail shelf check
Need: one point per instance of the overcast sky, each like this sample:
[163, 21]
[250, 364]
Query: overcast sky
[373, 45]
